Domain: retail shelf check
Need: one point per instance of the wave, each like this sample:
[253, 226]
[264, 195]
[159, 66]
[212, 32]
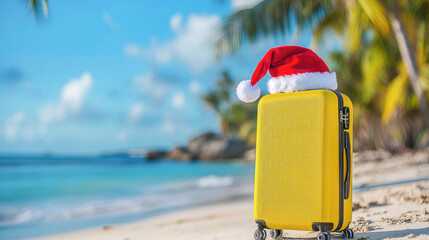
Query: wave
[161, 198]
[215, 181]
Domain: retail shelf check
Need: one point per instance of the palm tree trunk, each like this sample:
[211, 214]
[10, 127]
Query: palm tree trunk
[409, 59]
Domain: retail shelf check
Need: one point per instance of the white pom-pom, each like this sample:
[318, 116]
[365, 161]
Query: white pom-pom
[246, 92]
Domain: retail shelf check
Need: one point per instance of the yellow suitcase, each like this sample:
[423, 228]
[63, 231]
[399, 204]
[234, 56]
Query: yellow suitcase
[303, 172]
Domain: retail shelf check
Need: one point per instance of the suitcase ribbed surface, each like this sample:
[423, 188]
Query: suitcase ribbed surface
[297, 160]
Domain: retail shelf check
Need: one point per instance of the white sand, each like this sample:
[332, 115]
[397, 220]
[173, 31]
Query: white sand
[395, 211]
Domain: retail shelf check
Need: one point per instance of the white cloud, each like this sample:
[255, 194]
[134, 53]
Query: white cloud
[75, 92]
[50, 112]
[176, 22]
[244, 4]
[168, 128]
[72, 99]
[162, 54]
[109, 21]
[193, 44]
[135, 113]
[178, 100]
[149, 84]
[133, 50]
[19, 126]
[13, 125]
[194, 87]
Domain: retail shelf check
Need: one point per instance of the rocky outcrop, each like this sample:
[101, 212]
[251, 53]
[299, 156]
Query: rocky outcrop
[155, 155]
[197, 143]
[180, 153]
[205, 147]
[213, 147]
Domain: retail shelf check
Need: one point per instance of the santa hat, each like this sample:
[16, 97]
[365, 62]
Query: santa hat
[292, 68]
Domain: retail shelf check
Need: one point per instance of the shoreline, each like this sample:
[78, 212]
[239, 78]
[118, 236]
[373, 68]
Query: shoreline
[112, 191]
[403, 217]
[390, 201]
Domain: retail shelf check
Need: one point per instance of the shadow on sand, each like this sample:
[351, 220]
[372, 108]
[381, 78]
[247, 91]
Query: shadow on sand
[375, 235]
[393, 233]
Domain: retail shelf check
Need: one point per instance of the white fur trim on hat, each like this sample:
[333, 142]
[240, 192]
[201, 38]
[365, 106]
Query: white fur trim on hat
[246, 92]
[303, 81]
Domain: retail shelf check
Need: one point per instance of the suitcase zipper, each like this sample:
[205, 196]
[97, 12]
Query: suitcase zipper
[342, 119]
[347, 147]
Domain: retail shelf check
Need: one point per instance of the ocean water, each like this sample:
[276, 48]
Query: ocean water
[44, 195]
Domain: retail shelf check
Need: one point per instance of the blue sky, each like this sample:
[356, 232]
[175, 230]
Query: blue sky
[113, 75]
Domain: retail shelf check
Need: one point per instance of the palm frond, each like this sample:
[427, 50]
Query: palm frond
[35, 7]
[422, 45]
[270, 17]
[419, 9]
[395, 94]
[376, 63]
[424, 77]
[377, 14]
[334, 21]
[355, 28]
[212, 100]
[45, 7]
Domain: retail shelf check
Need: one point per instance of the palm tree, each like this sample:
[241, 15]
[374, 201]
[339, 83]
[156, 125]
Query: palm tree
[219, 100]
[407, 53]
[237, 119]
[396, 34]
[35, 6]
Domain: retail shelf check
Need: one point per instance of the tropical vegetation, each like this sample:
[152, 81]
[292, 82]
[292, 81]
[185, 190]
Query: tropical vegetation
[36, 5]
[382, 62]
[235, 118]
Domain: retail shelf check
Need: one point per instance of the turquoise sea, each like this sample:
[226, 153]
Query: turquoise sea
[44, 195]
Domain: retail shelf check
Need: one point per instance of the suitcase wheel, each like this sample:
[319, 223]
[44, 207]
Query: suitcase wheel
[260, 234]
[348, 234]
[323, 236]
[276, 234]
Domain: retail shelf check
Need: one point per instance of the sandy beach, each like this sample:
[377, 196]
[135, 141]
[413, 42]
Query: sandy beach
[390, 201]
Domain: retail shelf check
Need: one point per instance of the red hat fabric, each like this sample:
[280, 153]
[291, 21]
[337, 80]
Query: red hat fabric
[292, 68]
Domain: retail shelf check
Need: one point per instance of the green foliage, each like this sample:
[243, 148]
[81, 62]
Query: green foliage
[37, 5]
[237, 119]
[248, 132]
[369, 65]
[269, 17]
[376, 13]
[394, 95]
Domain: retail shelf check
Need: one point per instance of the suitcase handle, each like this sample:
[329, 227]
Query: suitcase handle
[349, 165]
